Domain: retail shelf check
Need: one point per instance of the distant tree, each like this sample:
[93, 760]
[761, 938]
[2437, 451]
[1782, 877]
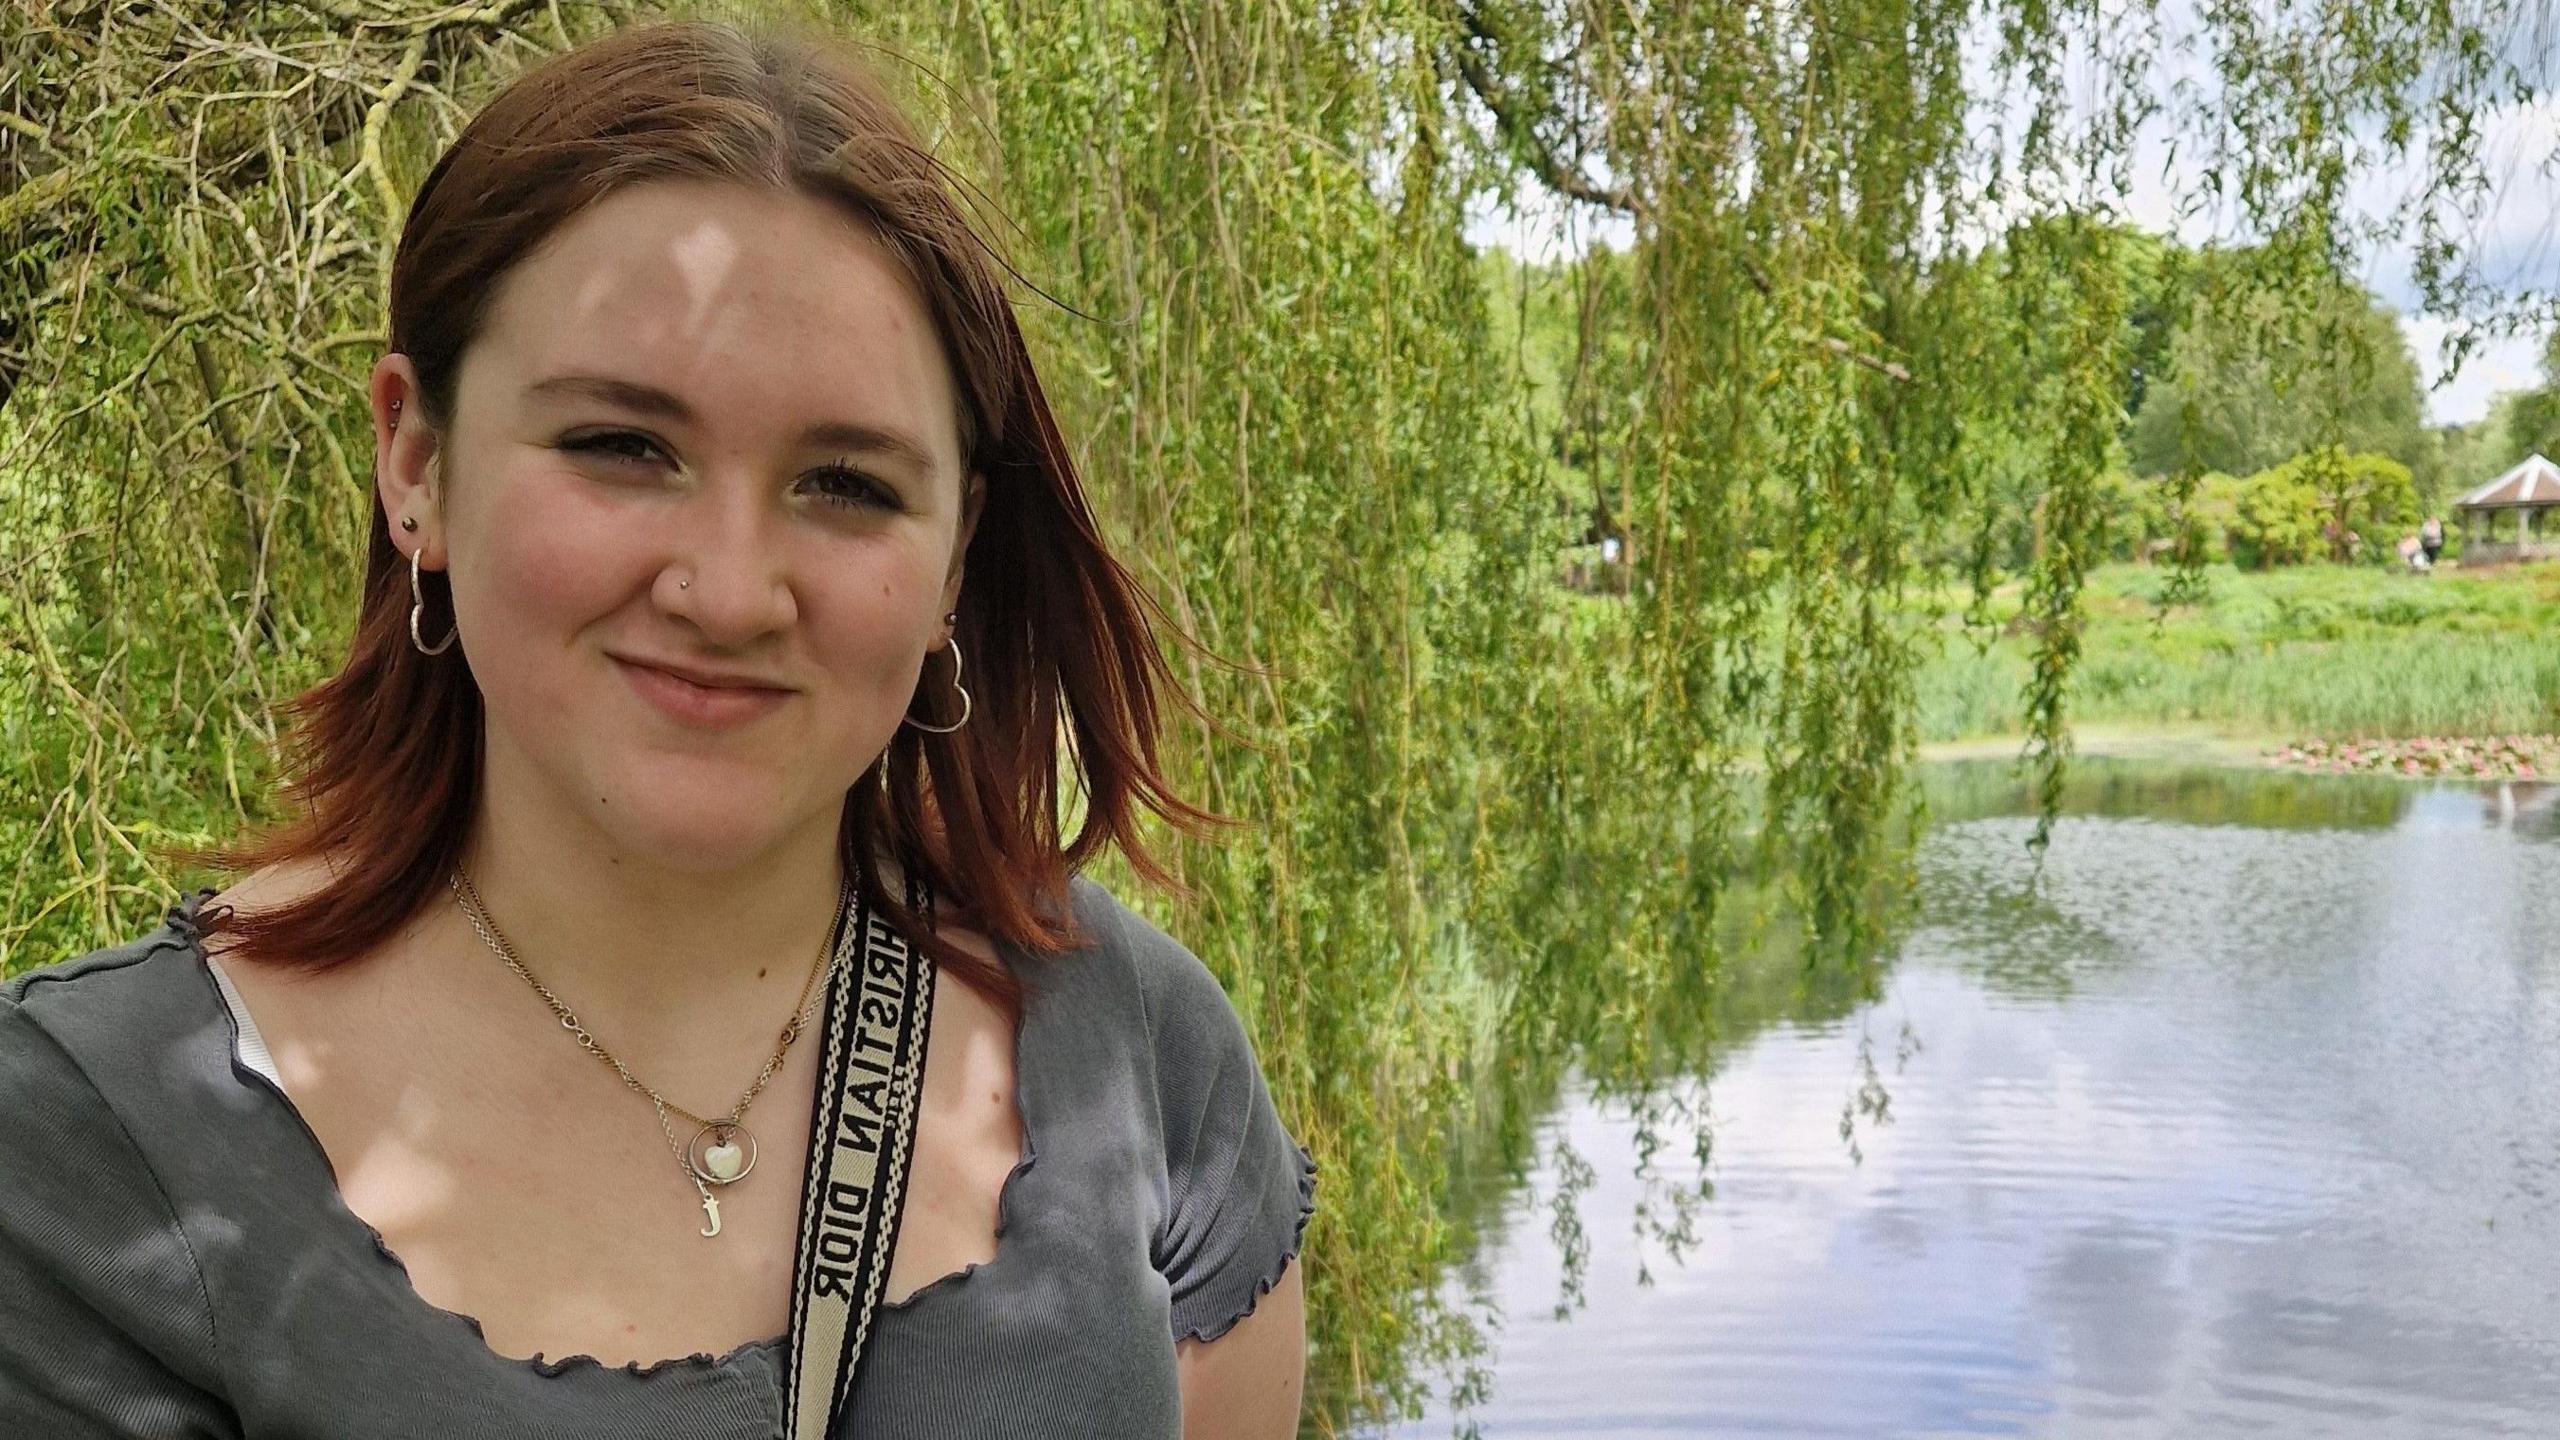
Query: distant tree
[2533, 420]
[2259, 371]
[2479, 451]
[2158, 278]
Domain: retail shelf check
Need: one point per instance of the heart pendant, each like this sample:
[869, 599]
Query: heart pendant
[722, 1153]
[724, 1160]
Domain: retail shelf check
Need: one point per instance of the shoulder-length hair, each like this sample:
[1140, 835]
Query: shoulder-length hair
[382, 760]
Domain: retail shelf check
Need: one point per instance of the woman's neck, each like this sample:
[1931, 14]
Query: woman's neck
[638, 949]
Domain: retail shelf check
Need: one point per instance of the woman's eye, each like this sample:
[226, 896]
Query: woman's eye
[838, 484]
[604, 444]
[852, 489]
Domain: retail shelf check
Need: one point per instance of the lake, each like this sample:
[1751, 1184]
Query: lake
[2243, 1118]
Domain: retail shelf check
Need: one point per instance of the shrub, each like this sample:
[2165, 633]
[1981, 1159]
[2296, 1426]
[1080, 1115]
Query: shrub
[2323, 504]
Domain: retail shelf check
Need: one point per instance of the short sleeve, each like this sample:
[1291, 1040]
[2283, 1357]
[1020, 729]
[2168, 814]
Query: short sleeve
[1239, 1188]
[104, 1326]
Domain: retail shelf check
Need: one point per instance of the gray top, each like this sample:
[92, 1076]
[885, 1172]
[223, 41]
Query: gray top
[176, 1260]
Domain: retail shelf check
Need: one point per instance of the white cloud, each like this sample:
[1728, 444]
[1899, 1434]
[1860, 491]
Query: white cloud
[2511, 363]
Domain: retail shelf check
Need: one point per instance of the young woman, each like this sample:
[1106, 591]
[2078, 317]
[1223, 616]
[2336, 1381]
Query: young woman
[729, 580]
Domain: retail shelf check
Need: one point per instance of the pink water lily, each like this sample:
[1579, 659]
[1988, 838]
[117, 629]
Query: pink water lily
[2470, 757]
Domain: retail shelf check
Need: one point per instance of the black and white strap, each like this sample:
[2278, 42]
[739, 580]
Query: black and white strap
[879, 1016]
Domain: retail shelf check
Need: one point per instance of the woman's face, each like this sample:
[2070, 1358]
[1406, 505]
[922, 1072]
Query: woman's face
[710, 427]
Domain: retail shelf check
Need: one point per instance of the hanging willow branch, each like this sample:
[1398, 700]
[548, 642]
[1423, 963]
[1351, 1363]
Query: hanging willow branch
[1569, 182]
[1521, 131]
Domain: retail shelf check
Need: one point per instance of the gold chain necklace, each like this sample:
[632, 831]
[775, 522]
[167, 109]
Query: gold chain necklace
[715, 1157]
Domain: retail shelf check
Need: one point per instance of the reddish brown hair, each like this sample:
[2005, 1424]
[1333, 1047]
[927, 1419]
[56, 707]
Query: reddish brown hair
[383, 758]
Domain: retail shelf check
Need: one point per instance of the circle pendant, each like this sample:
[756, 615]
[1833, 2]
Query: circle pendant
[722, 1153]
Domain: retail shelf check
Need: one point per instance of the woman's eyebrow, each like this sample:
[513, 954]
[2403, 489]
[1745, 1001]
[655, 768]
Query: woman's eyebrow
[650, 400]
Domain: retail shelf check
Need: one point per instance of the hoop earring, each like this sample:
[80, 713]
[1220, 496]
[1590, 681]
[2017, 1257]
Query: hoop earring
[966, 706]
[418, 607]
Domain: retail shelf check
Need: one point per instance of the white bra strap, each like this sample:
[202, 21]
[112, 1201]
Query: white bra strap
[253, 1046]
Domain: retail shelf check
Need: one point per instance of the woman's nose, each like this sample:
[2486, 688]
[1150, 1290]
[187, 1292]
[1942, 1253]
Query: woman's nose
[729, 573]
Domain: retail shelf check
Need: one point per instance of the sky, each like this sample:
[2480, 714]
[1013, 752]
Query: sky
[2511, 237]
[2515, 237]
[2515, 243]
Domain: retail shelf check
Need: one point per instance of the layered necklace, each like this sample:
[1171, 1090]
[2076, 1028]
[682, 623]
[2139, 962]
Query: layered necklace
[723, 1150]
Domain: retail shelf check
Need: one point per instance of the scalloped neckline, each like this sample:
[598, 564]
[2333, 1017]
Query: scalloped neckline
[180, 919]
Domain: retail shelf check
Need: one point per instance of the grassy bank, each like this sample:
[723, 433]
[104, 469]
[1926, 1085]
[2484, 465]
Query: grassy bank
[2316, 652]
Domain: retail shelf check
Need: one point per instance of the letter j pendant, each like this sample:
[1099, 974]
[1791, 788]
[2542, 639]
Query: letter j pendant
[714, 1158]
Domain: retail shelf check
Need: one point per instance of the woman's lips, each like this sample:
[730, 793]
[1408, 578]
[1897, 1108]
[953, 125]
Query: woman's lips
[699, 706]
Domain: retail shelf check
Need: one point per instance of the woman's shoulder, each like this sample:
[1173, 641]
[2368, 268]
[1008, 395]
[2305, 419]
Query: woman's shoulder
[96, 1262]
[121, 1045]
[92, 1047]
[119, 998]
[1236, 1189]
[1162, 983]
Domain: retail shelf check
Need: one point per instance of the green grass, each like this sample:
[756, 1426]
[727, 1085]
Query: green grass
[2311, 652]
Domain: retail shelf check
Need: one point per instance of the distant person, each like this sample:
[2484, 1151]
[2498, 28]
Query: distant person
[2431, 540]
[2413, 552]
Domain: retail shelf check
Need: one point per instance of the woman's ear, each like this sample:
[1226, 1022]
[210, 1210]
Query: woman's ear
[408, 461]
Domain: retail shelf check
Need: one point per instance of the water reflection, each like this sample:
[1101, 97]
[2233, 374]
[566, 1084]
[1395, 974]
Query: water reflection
[2243, 1115]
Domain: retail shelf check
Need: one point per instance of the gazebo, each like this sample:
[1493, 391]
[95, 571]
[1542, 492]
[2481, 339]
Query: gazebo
[2528, 490]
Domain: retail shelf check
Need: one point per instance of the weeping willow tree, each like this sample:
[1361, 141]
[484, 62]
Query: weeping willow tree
[1866, 290]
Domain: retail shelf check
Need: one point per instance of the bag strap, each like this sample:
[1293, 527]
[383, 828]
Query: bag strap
[861, 1137]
